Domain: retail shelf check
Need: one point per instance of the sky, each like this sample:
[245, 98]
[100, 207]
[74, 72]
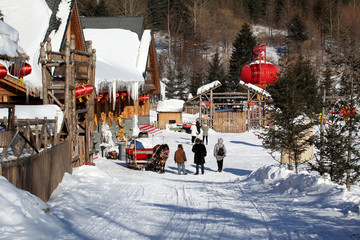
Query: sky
[253, 198]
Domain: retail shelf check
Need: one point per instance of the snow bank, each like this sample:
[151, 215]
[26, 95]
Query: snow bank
[309, 187]
[25, 214]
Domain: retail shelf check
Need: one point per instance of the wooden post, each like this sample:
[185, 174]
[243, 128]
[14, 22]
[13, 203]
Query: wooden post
[67, 88]
[211, 109]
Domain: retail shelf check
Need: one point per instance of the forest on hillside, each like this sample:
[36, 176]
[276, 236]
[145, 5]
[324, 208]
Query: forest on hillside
[196, 30]
[199, 41]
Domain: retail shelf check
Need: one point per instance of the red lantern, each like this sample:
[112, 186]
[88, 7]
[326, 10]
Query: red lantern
[3, 71]
[257, 73]
[80, 91]
[20, 70]
[251, 104]
[88, 89]
[144, 98]
[208, 104]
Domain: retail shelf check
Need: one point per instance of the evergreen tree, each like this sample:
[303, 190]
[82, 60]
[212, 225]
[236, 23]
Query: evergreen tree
[157, 13]
[333, 147]
[101, 10]
[294, 100]
[297, 34]
[242, 54]
[216, 71]
[171, 87]
[196, 81]
[181, 85]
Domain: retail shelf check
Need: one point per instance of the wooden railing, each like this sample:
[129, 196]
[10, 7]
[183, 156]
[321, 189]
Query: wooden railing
[27, 136]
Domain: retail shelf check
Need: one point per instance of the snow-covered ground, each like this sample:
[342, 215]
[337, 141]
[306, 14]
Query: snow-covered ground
[253, 198]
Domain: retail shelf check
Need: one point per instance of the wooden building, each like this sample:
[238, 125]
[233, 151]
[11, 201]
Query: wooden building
[233, 112]
[129, 95]
[169, 112]
[65, 63]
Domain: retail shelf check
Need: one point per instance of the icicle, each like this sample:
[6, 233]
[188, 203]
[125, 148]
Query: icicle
[109, 92]
[114, 94]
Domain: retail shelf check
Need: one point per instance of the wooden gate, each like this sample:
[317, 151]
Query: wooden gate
[230, 122]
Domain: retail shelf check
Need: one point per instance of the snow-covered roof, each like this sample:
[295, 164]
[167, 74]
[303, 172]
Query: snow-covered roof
[9, 40]
[255, 88]
[208, 86]
[171, 105]
[120, 58]
[31, 20]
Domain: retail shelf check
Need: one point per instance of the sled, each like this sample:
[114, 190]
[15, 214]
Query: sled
[138, 157]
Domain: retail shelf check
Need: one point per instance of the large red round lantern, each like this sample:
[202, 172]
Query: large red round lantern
[259, 74]
[20, 70]
[3, 71]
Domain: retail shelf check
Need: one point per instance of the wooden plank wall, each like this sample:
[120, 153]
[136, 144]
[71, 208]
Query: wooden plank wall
[40, 174]
[164, 117]
[230, 122]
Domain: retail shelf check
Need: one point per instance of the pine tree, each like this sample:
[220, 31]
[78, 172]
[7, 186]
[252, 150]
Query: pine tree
[181, 85]
[196, 81]
[297, 34]
[216, 71]
[242, 54]
[294, 100]
[101, 10]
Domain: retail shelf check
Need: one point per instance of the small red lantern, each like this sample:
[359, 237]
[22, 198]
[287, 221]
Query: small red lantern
[144, 98]
[3, 71]
[208, 104]
[251, 104]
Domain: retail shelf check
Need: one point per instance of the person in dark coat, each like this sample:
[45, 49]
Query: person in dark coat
[199, 150]
[198, 126]
[220, 155]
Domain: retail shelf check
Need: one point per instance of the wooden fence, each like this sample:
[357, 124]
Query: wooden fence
[40, 174]
[34, 157]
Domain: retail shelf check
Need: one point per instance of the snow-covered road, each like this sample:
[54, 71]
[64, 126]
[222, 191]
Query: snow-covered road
[111, 201]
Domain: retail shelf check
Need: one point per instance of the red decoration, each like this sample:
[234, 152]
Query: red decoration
[144, 98]
[20, 70]
[208, 104]
[3, 71]
[251, 104]
[259, 72]
[256, 73]
[83, 90]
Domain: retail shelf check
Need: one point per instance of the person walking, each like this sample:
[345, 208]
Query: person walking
[205, 130]
[193, 130]
[220, 153]
[199, 151]
[180, 159]
[198, 126]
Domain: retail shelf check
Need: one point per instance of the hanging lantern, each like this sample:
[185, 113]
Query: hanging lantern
[20, 70]
[144, 98]
[3, 71]
[208, 104]
[251, 104]
[99, 97]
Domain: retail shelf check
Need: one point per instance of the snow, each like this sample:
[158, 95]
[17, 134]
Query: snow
[255, 88]
[171, 105]
[9, 40]
[25, 17]
[49, 111]
[208, 86]
[253, 198]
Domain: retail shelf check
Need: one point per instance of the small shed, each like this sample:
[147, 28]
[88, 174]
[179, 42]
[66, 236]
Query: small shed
[169, 112]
